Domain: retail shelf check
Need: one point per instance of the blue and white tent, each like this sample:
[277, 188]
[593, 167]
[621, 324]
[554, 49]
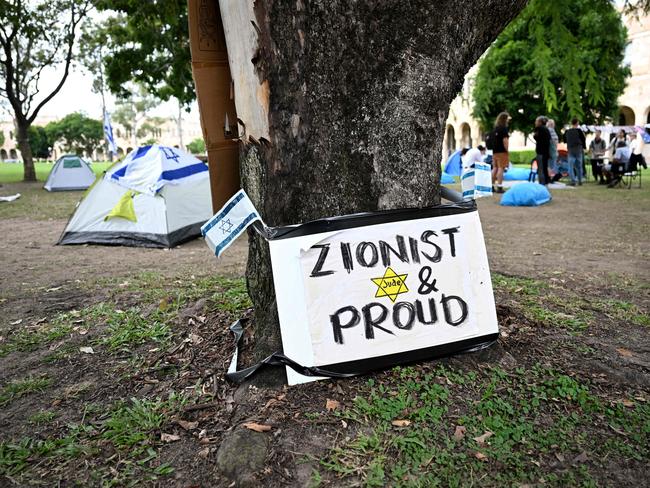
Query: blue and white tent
[157, 196]
[454, 166]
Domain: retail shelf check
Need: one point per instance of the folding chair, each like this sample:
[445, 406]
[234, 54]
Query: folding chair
[633, 172]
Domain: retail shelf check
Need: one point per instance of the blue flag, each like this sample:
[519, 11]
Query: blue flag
[108, 132]
[229, 222]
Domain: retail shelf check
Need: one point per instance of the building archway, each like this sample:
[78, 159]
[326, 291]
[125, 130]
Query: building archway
[465, 135]
[647, 117]
[3, 154]
[625, 116]
[120, 152]
[451, 140]
[13, 154]
[129, 149]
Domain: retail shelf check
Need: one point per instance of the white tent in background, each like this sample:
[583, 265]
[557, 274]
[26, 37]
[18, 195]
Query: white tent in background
[70, 172]
[157, 196]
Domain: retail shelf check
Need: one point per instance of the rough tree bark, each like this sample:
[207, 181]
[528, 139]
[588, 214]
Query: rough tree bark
[22, 138]
[358, 95]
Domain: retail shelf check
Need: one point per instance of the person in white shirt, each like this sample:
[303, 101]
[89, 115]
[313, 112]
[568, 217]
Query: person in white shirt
[470, 156]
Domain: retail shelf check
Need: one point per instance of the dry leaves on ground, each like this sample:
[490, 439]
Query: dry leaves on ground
[257, 427]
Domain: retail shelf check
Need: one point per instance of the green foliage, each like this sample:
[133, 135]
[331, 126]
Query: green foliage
[197, 146]
[39, 141]
[76, 132]
[131, 110]
[560, 59]
[148, 42]
[36, 37]
[495, 430]
[16, 389]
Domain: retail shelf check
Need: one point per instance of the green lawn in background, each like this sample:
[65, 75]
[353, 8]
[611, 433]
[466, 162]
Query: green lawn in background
[35, 202]
[13, 172]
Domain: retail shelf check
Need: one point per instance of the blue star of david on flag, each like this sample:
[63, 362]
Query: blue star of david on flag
[229, 222]
[108, 133]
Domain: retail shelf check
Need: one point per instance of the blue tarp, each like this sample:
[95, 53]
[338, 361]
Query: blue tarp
[516, 174]
[526, 195]
[445, 179]
[454, 166]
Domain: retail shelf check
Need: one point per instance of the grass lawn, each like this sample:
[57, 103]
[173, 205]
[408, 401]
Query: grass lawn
[35, 202]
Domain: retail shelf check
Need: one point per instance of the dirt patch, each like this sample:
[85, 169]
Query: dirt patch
[573, 301]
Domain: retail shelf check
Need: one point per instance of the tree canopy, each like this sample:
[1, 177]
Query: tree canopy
[562, 59]
[197, 146]
[39, 141]
[148, 42]
[76, 133]
[35, 36]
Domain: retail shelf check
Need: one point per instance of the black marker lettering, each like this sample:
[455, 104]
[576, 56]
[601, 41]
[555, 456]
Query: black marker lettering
[415, 254]
[337, 327]
[346, 254]
[399, 306]
[425, 238]
[318, 267]
[447, 309]
[452, 244]
[361, 257]
[432, 309]
[370, 323]
[386, 249]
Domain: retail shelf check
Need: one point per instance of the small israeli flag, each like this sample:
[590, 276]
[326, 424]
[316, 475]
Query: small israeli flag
[229, 222]
[108, 132]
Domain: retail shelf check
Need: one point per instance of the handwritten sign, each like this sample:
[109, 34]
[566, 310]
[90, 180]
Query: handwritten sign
[367, 296]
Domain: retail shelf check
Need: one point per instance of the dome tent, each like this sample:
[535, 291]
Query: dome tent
[70, 172]
[157, 196]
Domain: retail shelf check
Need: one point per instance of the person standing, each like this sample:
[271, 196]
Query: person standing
[576, 145]
[552, 162]
[542, 138]
[597, 150]
[470, 156]
[500, 159]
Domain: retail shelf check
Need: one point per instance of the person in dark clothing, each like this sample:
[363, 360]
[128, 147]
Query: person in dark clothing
[597, 150]
[542, 148]
[576, 144]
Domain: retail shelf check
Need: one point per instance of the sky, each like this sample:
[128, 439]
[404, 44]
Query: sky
[77, 96]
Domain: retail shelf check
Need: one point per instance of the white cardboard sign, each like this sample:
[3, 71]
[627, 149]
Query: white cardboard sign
[368, 296]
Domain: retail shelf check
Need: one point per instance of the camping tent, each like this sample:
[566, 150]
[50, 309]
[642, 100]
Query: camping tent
[70, 172]
[454, 166]
[157, 196]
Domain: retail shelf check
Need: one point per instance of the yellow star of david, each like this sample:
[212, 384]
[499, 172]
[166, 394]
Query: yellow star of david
[390, 285]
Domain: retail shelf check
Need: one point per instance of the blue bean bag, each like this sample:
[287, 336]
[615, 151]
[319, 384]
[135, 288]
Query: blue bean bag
[446, 179]
[516, 174]
[526, 195]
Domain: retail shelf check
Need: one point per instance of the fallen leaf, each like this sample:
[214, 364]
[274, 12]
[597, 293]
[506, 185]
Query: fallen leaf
[163, 305]
[459, 433]
[82, 331]
[401, 423]
[87, 350]
[626, 353]
[195, 339]
[169, 437]
[482, 438]
[559, 457]
[628, 403]
[257, 427]
[204, 453]
[187, 425]
[480, 456]
[16, 322]
[344, 424]
[331, 405]
[56, 288]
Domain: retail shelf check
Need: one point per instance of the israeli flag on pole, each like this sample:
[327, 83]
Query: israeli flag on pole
[229, 222]
[108, 132]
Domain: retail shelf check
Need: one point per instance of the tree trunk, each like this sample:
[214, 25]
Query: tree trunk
[22, 137]
[358, 95]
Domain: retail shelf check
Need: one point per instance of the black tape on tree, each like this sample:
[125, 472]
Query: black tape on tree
[279, 359]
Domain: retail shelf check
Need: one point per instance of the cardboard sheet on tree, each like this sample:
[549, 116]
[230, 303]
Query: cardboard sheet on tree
[367, 291]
